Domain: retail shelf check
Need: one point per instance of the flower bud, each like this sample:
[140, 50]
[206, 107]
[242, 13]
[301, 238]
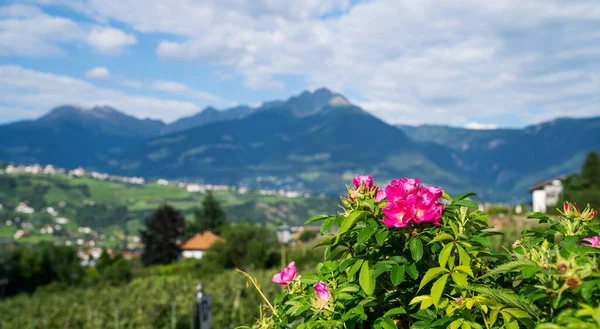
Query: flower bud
[572, 282]
[562, 267]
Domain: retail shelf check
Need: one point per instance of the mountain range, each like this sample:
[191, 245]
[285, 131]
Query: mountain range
[315, 141]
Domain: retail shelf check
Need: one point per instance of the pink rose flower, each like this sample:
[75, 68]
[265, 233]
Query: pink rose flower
[396, 214]
[286, 275]
[430, 195]
[409, 201]
[365, 180]
[322, 291]
[593, 241]
[380, 195]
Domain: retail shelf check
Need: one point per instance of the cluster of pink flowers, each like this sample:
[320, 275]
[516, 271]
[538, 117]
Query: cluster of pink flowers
[288, 274]
[408, 201]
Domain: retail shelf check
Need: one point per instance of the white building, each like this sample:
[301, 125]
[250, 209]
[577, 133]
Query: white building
[24, 208]
[545, 194]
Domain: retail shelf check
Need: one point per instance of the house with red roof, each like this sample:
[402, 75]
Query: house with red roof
[199, 244]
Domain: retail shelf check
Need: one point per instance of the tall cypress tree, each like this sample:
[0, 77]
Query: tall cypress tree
[161, 236]
[210, 217]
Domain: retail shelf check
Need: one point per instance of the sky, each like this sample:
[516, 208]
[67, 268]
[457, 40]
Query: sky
[471, 63]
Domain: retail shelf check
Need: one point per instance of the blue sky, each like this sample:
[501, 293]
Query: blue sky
[471, 63]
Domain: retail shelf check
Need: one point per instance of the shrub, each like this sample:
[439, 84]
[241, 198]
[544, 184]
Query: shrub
[411, 256]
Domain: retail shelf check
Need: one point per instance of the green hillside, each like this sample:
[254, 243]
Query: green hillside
[115, 210]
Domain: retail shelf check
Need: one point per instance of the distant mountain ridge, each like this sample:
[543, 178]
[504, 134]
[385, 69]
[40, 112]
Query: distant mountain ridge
[313, 141]
[305, 104]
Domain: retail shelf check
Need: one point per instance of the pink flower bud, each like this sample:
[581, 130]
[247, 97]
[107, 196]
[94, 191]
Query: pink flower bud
[365, 180]
[567, 207]
[322, 290]
[286, 275]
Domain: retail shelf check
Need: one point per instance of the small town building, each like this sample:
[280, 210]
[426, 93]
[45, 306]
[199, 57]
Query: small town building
[544, 195]
[198, 245]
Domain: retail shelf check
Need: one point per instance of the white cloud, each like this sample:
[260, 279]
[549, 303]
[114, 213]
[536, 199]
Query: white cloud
[406, 61]
[481, 126]
[110, 40]
[27, 31]
[33, 93]
[99, 72]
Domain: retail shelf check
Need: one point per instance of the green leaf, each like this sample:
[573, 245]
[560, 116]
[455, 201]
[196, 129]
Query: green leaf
[529, 271]
[456, 324]
[445, 253]
[438, 288]
[317, 218]
[441, 237]
[431, 274]
[381, 236]
[517, 313]
[350, 220]
[464, 203]
[387, 323]
[464, 257]
[459, 278]
[365, 233]
[355, 269]
[395, 311]
[324, 242]
[327, 223]
[411, 269]
[464, 196]
[416, 248]
[309, 278]
[366, 280]
[516, 265]
[397, 274]
[464, 269]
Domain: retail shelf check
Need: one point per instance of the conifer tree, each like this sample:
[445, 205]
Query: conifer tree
[163, 230]
[210, 217]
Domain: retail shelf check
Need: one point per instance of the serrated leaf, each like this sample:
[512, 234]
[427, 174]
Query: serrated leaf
[317, 218]
[438, 288]
[366, 280]
[412, 271]
[397, 274]
[416, 248]
[327, 224]
[309, 278]
[431, 274]
[365, 233]
[445, 254]
[350, 220]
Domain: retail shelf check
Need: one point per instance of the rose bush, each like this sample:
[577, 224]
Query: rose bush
[410, 256]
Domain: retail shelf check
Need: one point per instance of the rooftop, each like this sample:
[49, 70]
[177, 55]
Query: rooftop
[201, 241]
